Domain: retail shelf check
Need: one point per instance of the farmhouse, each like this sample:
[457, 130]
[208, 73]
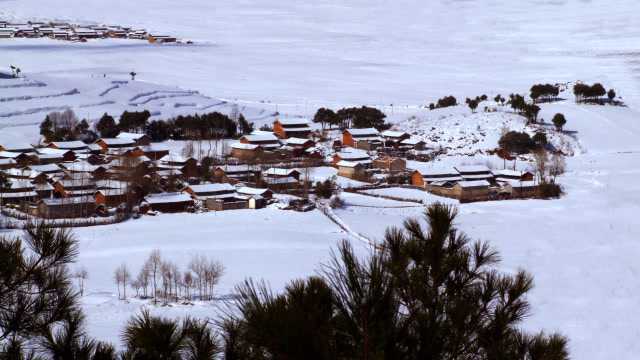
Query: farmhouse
[7, 164]
[65, 208]
[412, 144]
[351, 169]
[474, 172]
[6, 33]
[111, 197]
[69, 145]
[18, 147]
[136, 139]
[19, 191]
[506, 175]
[286, 128]
[281, 173]
[353, 155]
[520, 189]
[366, 139]
[422, 178]
[390, 164]
[467, 191]
[394, 138]
[249, 191]
[266, 140]
[114, 143]
[161, 39]
[204, 191]
[188, 166]
[246, 152]
[169, 202]
[236, 173]
[52, 155]
[155, 151]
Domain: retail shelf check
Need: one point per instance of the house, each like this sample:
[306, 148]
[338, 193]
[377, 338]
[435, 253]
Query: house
[114, 143]
[394, 138]
[86, 33]
[301, 144]
[48, 169]
[281, 173]
[366, 139]
[155, 151]
[226, 203]
[187, 166]
[520, 189]
[267, 140]
[236, 173]
[73, 185]
[59, 34]
[6, 33]
[8, 164]
[286, 128]
[53, 156]
[217, 190]
[19, 191]
[43, 189]
[249, 192]
[390, 164]
[169, 202]
[137, 139]
[422, 178]
[506, 175]
[412, 144]
[111, 197]
[64, 208]
[474, 172]
[161, 39]
[83, 167]
[475, 190]
[246, 152]
[353, 155]
[17, 147]
[22, 159]
[351, 170]
[76, 145]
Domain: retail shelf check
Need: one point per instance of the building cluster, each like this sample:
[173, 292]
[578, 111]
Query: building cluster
[476, 183]
[73, 32]
[130, 173]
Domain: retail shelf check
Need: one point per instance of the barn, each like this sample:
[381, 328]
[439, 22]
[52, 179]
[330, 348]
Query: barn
[64, 208]
[366, 139]
[169, 202]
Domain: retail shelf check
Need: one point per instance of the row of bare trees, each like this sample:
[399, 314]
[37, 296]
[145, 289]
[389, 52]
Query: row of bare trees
[163, 281]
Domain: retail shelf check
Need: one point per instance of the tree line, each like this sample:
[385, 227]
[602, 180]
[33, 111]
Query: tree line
[353, 117]
[424, 292]
[592, 93]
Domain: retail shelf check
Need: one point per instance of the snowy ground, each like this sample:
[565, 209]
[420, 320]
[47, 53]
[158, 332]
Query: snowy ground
[293, 57]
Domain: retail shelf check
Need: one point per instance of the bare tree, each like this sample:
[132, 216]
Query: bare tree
[187, 283]
[81, 274]
[557, 166]
[542, 160]
[213, 273]
[198, 266]
[121, 278]
[153, 263]
[143, 278]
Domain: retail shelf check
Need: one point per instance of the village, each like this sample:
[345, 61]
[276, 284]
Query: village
[131, 175]
[79, 33]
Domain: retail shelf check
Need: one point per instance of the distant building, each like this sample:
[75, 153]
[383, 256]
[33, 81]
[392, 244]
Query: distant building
[169, 202]
[286, 128]
[366, 139]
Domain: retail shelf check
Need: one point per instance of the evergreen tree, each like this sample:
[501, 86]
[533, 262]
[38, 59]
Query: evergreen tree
[325, 117]
[46, 128]
[107, 127]
[559, 121]
[611, 94]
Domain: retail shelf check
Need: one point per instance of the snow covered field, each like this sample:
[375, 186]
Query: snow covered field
[581, 249]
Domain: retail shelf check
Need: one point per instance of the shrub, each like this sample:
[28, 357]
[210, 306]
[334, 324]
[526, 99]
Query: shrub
[540, 139]
[447, 101]
[549, 190]
[516, 142]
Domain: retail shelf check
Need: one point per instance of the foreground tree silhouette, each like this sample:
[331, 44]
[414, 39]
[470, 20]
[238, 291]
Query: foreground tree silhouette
[39, 314]
[149, 337]
[423, 294]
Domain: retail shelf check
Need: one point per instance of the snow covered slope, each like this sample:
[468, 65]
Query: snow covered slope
[346, 51]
